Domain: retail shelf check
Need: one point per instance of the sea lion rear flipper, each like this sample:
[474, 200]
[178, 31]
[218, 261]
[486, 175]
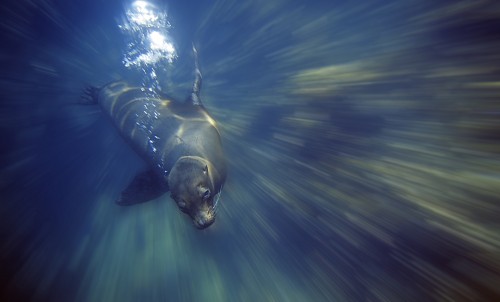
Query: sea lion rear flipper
[90, 95]
[144, 187]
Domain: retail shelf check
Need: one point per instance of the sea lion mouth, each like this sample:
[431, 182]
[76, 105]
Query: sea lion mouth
[203, 221]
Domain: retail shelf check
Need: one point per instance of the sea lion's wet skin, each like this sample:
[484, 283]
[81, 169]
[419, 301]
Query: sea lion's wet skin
[179, 141]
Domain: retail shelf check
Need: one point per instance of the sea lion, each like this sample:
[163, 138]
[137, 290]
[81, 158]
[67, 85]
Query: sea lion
[179, 141]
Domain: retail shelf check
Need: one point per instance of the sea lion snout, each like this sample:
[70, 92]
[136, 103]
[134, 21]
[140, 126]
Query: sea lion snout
[204, 219]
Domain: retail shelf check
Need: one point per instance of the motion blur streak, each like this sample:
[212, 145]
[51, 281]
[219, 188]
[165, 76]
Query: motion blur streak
[363, 143]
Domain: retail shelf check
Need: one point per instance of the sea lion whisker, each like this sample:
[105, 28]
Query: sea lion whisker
[216, 203]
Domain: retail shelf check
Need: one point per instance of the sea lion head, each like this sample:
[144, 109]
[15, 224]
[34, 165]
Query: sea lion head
[192, 188]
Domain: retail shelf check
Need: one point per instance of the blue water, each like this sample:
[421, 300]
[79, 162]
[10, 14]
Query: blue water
[362, 155]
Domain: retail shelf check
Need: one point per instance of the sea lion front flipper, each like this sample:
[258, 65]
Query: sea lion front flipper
[144, 187]
[195, 93]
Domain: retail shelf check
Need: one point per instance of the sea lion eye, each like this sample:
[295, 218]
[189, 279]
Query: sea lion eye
[206, 194]
[205, 169]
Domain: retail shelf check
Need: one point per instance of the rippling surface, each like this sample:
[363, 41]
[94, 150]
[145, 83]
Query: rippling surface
[362, 142]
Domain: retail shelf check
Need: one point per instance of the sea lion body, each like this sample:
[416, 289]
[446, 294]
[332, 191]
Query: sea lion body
[162, 130]
[178, 140]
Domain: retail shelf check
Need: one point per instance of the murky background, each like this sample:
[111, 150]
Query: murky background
[363, 145]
